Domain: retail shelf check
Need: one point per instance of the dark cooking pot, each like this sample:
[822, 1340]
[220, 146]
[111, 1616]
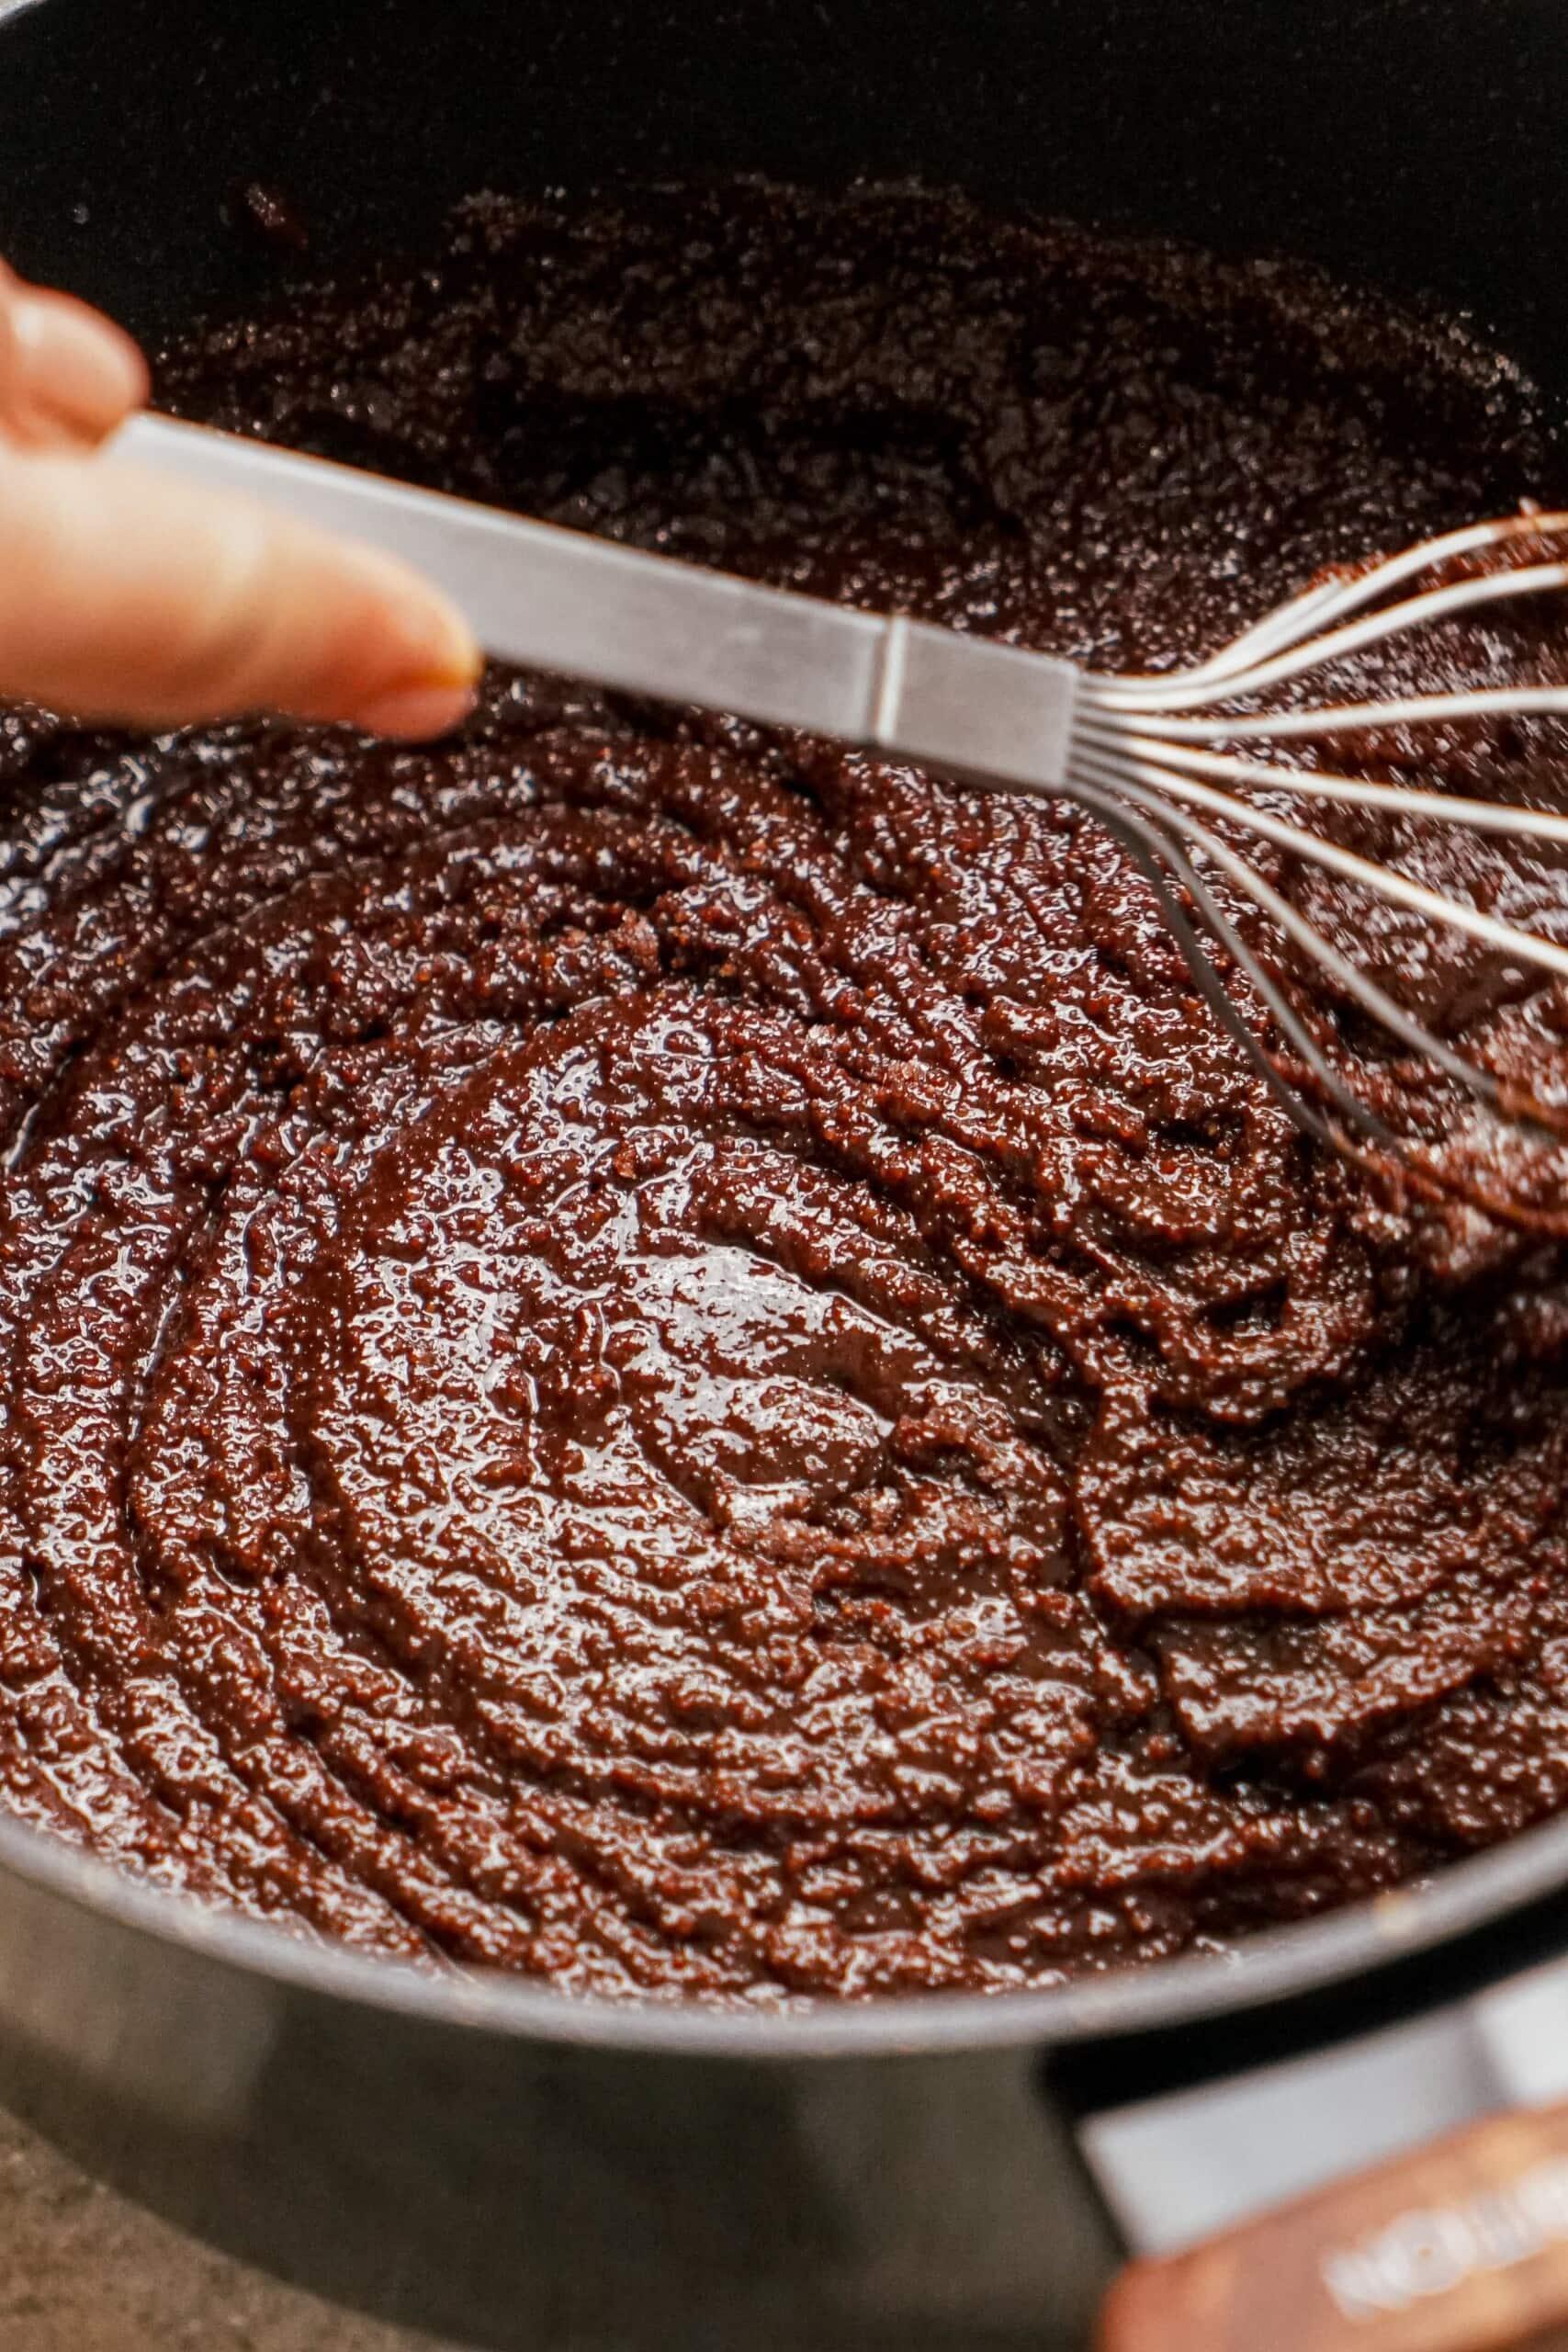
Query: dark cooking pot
[489, 2159]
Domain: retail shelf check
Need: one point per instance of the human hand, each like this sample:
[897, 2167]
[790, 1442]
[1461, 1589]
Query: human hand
[125, 597]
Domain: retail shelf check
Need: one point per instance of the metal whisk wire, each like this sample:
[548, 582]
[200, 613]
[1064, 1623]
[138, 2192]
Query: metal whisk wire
[1143, 760]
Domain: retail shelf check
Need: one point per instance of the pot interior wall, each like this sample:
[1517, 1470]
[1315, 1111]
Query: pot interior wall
[1412, 143]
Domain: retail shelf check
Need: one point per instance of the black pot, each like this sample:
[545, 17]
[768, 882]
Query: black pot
[480, 2156]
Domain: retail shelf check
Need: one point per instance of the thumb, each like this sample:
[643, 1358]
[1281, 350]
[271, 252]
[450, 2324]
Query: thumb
[125, 596]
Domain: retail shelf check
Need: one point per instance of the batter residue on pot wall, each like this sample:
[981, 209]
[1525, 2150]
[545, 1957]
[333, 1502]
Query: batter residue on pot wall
[650, 1353]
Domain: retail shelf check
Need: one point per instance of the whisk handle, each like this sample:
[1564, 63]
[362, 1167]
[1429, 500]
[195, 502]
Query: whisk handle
[565, 601]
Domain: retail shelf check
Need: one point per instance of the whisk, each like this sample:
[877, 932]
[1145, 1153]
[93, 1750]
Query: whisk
[1142, 753]
[1141, 756]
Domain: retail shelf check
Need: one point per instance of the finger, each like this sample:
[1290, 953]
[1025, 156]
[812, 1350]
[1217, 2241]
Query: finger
[125, 596]
[83, 375]
[67, 376]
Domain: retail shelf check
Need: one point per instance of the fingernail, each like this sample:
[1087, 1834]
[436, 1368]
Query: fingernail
[421, 639]
[437, 644]
[416, 711]
[82, 373]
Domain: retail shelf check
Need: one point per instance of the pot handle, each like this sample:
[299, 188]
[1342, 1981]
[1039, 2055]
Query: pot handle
[1461, 2245]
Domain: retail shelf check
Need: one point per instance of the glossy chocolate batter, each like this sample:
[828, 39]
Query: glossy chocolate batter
[657, 1355]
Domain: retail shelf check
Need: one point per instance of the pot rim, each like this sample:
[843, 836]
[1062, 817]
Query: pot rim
[1271, 1967]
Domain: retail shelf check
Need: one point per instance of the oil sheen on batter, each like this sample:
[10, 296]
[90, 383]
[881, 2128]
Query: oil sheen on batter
[647, 1352]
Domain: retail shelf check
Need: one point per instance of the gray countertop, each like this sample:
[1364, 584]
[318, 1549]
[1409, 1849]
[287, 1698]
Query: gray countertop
[83, 2270]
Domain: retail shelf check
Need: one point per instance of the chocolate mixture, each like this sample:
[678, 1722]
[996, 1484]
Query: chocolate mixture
[660, 1356]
